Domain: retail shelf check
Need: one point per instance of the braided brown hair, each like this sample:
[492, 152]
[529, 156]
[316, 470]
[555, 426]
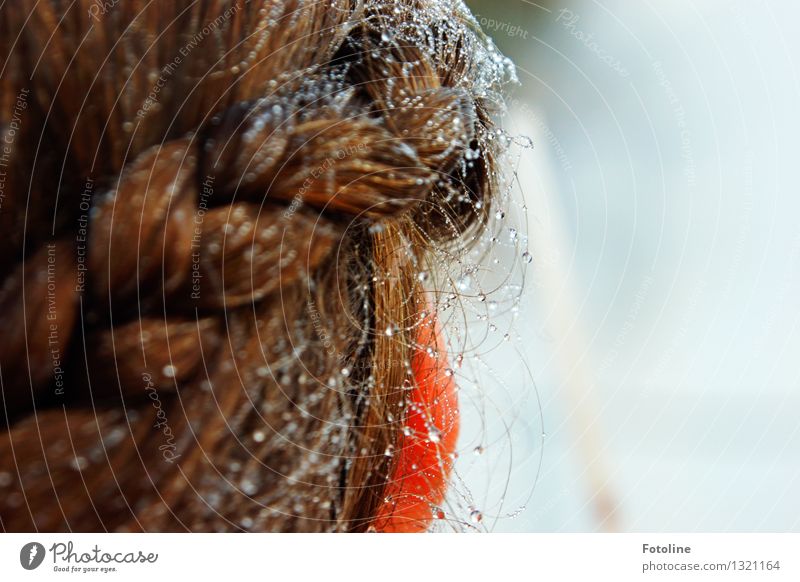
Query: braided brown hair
[214, 212]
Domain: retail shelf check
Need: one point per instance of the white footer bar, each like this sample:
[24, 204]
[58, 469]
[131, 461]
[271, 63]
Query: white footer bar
[410, 558]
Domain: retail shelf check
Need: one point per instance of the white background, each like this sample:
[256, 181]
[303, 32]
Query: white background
[661, 318]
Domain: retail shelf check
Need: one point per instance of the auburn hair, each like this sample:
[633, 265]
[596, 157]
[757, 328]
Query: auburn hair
[215, 215]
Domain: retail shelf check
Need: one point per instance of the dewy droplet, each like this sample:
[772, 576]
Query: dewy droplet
[475, 516]
[169, 371]
[389, 451]
[434, 435]
[527, 257]
[389, 331]
[78, 463]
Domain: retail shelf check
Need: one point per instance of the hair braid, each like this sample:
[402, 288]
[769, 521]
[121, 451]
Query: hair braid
[198, 340]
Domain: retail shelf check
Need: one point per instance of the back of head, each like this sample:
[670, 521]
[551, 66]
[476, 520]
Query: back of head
[214, 216]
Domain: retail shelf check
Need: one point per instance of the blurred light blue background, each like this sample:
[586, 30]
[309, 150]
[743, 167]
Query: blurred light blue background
[660, 317]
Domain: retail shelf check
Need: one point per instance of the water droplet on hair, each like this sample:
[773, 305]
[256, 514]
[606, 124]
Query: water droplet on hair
[475, 516]
[472, 154]
[259, 436]
[434, 434]
[448, 372]
[478, 450]
[78, 463]
[527, 257]
[169, 371]
[524, 141]
[422, 276]
[389, 452]
[389, 331]
[345, 372]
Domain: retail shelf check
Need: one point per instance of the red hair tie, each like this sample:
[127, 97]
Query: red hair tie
[427, 446]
